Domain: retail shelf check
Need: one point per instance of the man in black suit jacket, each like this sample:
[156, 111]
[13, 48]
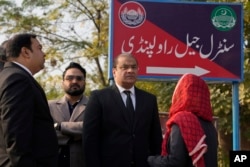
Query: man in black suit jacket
[27, 135]
[112, 137]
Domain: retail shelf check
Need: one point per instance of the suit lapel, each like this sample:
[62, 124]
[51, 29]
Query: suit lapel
[63, 108]
[139, 102]
[79, 109]
[118, 100]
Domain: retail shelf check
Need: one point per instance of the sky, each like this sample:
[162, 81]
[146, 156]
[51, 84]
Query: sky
[2, 36]
[79, 26]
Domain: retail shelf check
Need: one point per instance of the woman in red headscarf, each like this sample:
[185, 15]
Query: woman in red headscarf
[191, 138]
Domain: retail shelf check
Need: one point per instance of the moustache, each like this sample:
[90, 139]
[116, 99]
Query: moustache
[75, 85]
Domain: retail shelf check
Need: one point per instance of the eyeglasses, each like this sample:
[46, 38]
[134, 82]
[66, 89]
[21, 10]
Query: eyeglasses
[126, 67]
[72, 77]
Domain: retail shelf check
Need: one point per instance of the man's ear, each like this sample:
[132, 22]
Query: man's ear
[25, 52]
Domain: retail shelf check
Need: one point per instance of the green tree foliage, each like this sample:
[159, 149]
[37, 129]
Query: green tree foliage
[70, 30]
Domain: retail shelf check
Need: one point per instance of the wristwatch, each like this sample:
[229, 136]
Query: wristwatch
[57, 126]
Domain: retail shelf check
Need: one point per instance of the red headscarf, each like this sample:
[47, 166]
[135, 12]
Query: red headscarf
[191, 99]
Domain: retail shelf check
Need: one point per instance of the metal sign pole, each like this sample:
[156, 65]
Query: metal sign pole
[235, 115]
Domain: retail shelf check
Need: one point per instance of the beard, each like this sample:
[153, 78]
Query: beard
[74, 92]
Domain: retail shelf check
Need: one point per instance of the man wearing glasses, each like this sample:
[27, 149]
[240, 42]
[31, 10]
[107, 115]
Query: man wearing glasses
[121, 122]
[67, 113]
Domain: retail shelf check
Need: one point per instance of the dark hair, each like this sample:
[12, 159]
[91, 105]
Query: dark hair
[2, 57]
[74, 65]
[3, 51]
[15, 44]
[2, 54]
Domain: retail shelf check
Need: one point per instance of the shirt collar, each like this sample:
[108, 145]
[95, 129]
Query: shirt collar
[121, 89]
[22, 66]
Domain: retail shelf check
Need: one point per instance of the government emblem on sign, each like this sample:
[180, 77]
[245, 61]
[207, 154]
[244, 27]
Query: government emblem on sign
[223, 18]
[132, 14]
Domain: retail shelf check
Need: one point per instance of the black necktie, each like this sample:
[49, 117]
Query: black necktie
[129, 105]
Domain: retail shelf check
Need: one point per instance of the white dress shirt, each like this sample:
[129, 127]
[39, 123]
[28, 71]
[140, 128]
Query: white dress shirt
[124, 96]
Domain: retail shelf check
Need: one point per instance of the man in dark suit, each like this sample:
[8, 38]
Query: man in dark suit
[27, 135]
[113, 135]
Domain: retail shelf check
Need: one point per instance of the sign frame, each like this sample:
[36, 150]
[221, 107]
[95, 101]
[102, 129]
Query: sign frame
[227, 69]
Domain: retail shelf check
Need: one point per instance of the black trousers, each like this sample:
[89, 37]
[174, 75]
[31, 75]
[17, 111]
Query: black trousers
[64, 156]
[132, 164]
